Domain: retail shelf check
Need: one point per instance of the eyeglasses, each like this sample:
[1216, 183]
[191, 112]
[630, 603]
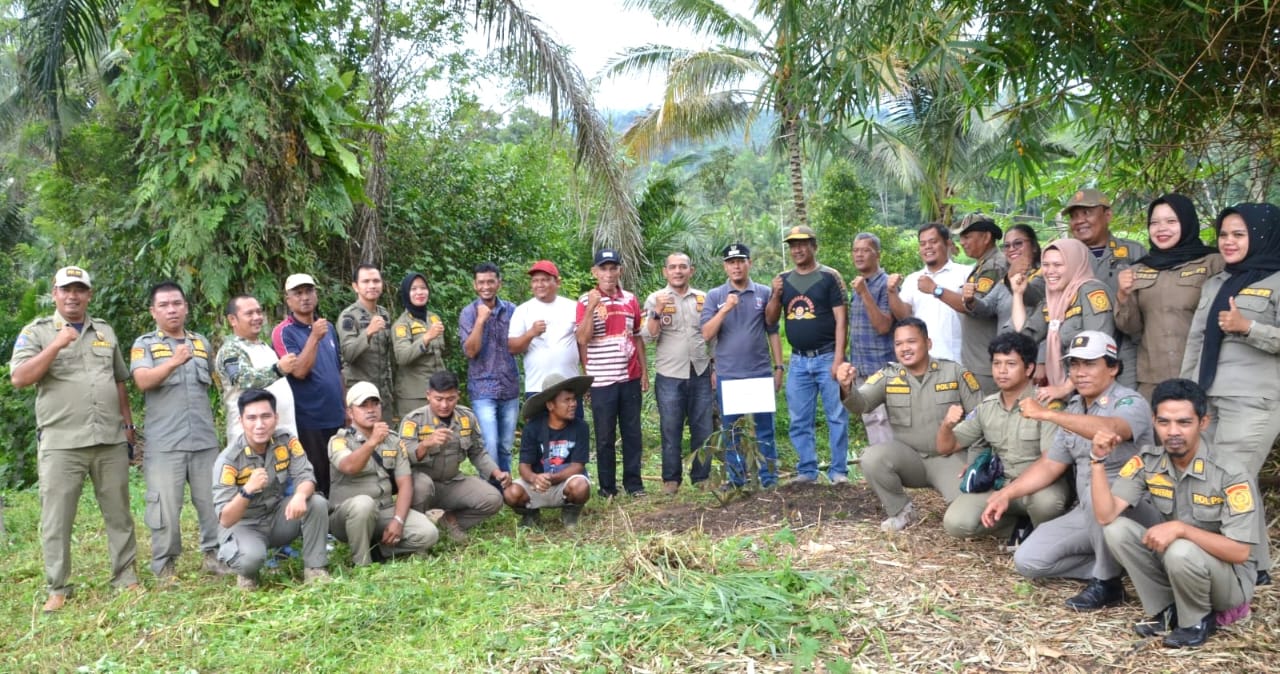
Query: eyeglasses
[1015, 243]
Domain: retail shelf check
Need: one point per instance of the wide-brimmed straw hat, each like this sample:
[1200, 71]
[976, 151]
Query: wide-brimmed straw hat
[551, 385]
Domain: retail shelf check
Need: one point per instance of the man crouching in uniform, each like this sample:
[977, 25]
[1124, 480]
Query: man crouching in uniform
[372, 486]
[1195, 569]
[264, 492]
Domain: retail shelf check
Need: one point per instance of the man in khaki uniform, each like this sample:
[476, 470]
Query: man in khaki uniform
[264, 491]
[1015, 439]
[1200, 560]
[172, 368]
[437, 438]
[84, 422]
[917, 391]
[372, 486]
[364, 336]
[978, 308]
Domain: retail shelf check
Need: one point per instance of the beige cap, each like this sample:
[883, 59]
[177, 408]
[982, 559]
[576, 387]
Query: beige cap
[1087, 198]
[361, 392]
[68, 275]
[296, 280]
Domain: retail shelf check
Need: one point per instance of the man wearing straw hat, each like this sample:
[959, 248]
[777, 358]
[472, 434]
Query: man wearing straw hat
[554, 449]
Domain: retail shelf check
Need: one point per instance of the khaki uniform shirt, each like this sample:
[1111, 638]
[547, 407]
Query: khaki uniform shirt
[375, 478]
[366, 358]
[1248, 365]
[1158, 312]
[679, 338]
[77, 400]
[415, 361]
[287, 467]
[1091, 309]
[1215, 494]
[179, 416]
[1119, 255]
[1071, 449]
[978, 326]
[917, 406]
[1017, 440]
[441, 464]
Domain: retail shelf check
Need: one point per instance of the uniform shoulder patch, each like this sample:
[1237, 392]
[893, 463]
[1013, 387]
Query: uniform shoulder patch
[136, 354]
[1098, 299]
[875, 377]
[282, 453]
[971, 380]
[1239, 498]
[402, 331]
[408, 428]
[295, 447]
[985, 285]
[339, 444]
[1131, 467]
[228, 476]
[1120, 251]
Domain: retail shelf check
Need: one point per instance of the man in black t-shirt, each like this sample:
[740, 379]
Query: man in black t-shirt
[817, 329]
[554, 449]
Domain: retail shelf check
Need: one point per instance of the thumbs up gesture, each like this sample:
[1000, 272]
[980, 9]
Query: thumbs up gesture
[1231, 321]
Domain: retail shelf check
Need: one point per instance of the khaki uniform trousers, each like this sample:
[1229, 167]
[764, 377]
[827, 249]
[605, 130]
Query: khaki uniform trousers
[62, 473]
[168, 473]
[1072, 546]
[891, 466]
[1184, 574]
[1244, 429]
[468, 498]
[244, 546]
[359, 523]
[963, 518]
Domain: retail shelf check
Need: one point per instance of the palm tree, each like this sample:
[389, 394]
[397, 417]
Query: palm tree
[752, 71]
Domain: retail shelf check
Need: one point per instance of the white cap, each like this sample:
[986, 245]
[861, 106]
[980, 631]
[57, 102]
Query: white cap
[68, 275]
[361, 392]
[1090, 344]
[296, 280]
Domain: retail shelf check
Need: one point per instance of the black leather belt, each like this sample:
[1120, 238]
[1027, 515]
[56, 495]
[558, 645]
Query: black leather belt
[830, 348]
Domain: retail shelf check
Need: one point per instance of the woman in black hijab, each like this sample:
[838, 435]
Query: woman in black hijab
[1157, 297]
[418, 338]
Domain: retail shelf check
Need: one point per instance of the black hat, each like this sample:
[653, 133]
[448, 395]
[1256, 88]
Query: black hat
[606, 255]
[978, 222]
[735, 251]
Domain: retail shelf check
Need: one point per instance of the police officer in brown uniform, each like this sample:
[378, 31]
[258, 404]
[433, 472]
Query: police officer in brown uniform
[84, 421]
[917, 391]
[978, 307]
[437, 438]
[372, 487]
[364, 336]
[1157, 297]
[173, 367]
[1196, 568]
[1017, 440]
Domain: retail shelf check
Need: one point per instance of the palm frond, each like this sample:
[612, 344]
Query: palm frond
[687, 119]
[705, 17]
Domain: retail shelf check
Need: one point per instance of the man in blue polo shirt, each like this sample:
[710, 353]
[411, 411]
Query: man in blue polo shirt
[733, 316]
[316, 378]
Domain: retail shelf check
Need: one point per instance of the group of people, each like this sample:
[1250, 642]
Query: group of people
[988, 383]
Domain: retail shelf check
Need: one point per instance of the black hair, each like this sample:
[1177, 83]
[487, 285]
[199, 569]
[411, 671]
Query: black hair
[163, 286]
[233, 304]
[941, 228]
[442, 381]
[1014, 342]
[911, 322]
[253, 395]
[1032, 237]
[1181, 389]
[487, 268]
[355, 273]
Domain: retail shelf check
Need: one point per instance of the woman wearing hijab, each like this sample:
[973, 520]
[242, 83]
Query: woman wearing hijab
[1233, 349]
[1074, 301]
[1157, 297]
[418, 338]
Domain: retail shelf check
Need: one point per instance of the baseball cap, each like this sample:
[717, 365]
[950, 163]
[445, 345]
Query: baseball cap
[800, 233]
[606, 255]
[1091, 344]
[361, 392]
[736, 251]
[296, 280]
[547, 267]
[1087, 198]
[978, 222]
[68, 275]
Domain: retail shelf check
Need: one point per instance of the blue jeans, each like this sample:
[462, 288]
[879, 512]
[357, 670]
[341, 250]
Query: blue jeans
[614, 407]
[764, 438]
[807, 377]
[680, 399]
[498, 427]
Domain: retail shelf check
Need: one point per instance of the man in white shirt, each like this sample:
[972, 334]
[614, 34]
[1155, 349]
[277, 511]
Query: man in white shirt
[543, 330]
[245, 362]
[927, 294]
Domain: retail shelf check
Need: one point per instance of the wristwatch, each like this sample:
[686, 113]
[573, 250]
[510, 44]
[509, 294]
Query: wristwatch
[937, 291]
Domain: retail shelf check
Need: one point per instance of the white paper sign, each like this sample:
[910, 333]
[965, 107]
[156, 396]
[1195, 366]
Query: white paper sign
[748, 396]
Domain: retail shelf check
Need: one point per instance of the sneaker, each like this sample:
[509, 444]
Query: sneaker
[451, 529]
[639, 493]
[839, 479]
[802, 480]
[905, 518]
[529, 517]
[316, 575]
[215, 566]
[569, 515]
[247, 583]
[55, 603]
[670, 487]
[1098, 594]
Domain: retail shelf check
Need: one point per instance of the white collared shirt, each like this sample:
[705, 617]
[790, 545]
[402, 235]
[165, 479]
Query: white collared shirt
[943, 321]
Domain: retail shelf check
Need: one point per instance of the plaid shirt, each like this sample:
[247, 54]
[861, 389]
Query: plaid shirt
[868, 350]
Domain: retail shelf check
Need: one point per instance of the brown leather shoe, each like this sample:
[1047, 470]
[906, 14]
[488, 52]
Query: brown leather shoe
[670, 487]
[55, 603]
[215, 566]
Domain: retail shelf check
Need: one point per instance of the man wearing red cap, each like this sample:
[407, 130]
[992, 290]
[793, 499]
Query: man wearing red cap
[542, 329]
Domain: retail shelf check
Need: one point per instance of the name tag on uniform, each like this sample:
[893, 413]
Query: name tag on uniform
[1201, 499]
[101, 342]
[949, 386]
[1148, 275]
[1198, 271]
[897, 389]
[1254, 292]
[1073, 311]
[1161, 492]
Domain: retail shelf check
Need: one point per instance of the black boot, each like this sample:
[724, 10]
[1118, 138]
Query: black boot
[1196, 635]
[1098, 594]
[1264, 578]
[1160, 623]
[569, 515]
[529, 517]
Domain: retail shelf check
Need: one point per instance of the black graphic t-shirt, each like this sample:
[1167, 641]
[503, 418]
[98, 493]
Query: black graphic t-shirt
[807, 303]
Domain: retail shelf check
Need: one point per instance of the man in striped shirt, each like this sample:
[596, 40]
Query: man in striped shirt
[609, 321]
